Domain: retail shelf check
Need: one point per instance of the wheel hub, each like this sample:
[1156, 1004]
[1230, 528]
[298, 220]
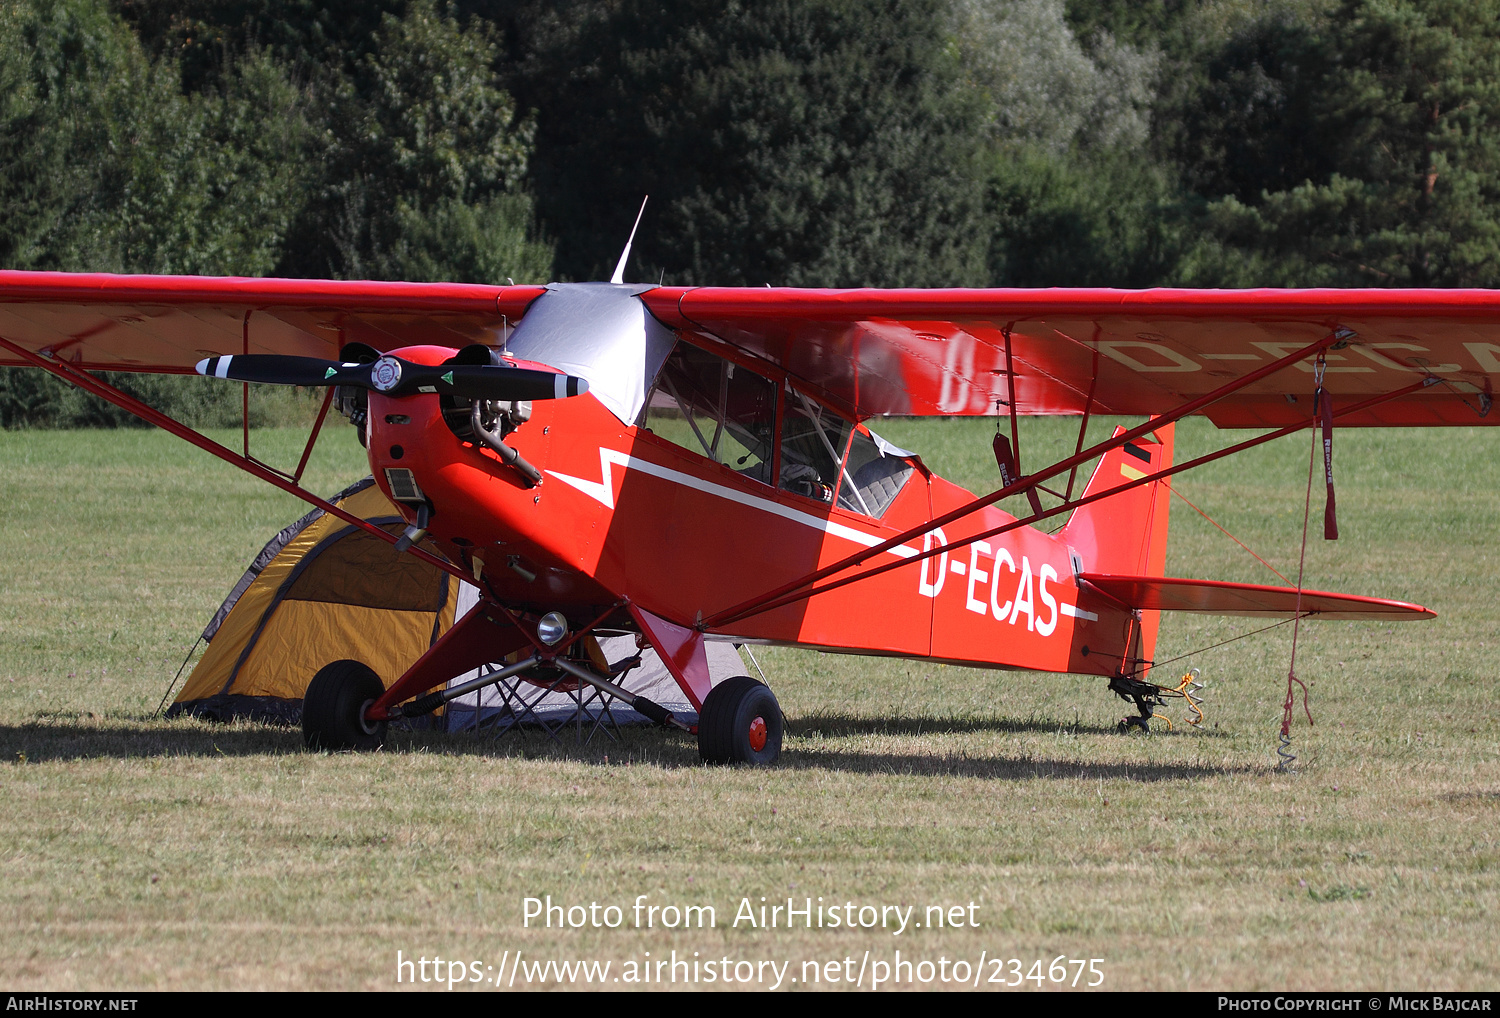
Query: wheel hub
[369, 727]
[758, 733]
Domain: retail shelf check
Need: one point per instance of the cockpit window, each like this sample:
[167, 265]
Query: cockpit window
[714, 408]
[726, 412]
[874, 478]
[812, 448]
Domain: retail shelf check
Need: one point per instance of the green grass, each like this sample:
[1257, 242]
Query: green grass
[147, 854]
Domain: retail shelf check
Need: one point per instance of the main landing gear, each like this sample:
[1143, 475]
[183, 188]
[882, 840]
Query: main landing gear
[333, 708]
[741, 722]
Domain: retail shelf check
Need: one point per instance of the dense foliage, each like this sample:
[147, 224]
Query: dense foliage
[796, 142]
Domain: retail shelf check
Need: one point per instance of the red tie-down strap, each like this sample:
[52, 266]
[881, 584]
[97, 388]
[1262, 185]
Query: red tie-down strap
[1005, 458]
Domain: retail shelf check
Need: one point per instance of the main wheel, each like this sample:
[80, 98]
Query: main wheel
[740, 723]
[333, 709]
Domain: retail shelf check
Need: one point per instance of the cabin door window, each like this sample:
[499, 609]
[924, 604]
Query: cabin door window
[716, 409]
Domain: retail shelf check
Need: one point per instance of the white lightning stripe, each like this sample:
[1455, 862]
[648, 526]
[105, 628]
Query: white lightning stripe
[604, 492]
[1073, 611]
[223, 369]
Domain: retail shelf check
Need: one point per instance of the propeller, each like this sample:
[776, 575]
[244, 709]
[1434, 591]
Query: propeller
[393, 376]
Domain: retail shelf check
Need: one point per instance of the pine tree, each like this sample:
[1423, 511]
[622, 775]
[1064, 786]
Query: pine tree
[1388, 114]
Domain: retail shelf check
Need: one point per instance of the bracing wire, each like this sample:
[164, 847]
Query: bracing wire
[1232, 639]
[746, 648]
[1227, 534]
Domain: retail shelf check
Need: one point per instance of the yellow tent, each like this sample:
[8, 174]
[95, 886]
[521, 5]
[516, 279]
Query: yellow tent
[320, 591]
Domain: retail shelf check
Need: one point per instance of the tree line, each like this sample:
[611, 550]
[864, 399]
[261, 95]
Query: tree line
[785, 142]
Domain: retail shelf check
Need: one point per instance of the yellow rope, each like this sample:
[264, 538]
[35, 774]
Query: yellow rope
[1186, 689]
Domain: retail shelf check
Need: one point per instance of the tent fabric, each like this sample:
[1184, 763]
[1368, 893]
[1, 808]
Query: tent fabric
[500, 705]
[270, 551]
[320, 591]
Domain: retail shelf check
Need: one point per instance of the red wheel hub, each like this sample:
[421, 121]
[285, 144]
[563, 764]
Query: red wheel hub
[758, 734]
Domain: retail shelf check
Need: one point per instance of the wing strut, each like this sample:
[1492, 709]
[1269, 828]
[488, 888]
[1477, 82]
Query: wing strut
[83, 380]
[1083, 425]
[765, 602]
[1015, 431]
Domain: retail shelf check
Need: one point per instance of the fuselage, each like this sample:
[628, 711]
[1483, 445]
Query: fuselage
[632, 510]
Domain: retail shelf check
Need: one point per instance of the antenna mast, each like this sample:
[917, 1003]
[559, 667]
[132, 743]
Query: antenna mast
[619, 276]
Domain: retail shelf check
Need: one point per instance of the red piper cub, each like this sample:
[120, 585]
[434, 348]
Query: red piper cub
[695, 464]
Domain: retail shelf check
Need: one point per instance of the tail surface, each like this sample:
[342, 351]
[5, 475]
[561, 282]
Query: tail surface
[1126, 534]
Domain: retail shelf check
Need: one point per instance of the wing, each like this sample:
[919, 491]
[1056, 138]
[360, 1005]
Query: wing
[168, 323]
[870, 351]
[1131, 352]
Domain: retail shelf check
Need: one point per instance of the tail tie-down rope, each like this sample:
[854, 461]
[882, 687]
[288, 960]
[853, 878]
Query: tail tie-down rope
[1188, 689]
[1330, 531]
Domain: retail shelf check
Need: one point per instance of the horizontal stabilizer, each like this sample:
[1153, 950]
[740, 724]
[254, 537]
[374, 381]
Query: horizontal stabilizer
[1213, 597]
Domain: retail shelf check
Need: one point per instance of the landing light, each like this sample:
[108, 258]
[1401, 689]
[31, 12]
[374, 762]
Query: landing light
[552, 628]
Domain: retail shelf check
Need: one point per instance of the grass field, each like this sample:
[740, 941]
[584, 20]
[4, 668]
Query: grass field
[146, 854]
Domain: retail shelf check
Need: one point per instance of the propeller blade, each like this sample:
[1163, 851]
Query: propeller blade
[488, 381]
[282, 370]
[396, 377]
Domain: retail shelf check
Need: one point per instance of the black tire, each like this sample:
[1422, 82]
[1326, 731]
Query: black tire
[333, 708]
[727, 731]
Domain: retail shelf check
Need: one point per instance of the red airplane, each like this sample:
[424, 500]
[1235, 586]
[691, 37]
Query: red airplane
[694, 463]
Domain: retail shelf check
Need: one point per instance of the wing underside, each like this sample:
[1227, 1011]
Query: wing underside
[168, 323]
[869, 352]
[1113, 351]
